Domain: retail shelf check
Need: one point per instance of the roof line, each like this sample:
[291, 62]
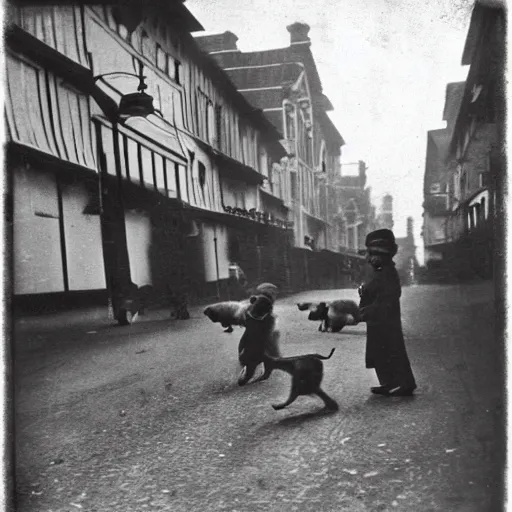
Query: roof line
[224, 51]
[274, 87]
[263, 66]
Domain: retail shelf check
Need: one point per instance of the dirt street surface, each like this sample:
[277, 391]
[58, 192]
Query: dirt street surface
[150, 417]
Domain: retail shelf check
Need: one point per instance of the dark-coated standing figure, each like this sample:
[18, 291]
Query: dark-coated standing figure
[380, 309]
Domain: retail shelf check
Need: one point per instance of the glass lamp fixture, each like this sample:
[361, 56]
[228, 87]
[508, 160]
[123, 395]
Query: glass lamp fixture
[135, 104]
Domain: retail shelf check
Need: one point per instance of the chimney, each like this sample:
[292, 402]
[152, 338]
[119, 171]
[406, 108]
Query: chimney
[299, 33]
[218, 42]
[362, 172]
[410, 228]
[387, 203]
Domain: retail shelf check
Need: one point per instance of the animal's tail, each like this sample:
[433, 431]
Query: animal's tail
[283, 360]
[324, 357]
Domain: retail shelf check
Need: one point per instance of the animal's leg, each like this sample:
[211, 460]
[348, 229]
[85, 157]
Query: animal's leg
[246, 374]
[293, 396]
[266, 373]
[328, 401]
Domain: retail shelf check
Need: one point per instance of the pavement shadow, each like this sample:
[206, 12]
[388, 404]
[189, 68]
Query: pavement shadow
[353, 332]
[299, 419]
[385, 402]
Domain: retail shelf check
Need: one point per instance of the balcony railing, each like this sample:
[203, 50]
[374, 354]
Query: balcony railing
[259, 216]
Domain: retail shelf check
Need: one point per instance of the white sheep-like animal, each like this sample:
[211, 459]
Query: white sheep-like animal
[228, 313]
[231, 312]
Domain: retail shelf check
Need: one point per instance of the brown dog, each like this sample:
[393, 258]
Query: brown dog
[307, 372]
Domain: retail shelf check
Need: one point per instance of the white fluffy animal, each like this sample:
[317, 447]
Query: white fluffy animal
[232, 312]
[228, 313]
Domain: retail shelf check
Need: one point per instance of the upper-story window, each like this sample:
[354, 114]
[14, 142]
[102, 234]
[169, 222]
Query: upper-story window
[211, 124]
[201, 170]
[218, 126]
[203, 103]
[144, 43]
[177, 67]
[289, 120]
[163, 60]
[263, 162]
[323, 157]
[463, 182]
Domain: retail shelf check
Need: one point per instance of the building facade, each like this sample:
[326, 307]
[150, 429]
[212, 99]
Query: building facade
[436, 184]
[166, 200]
[355, 214]
[466, 161]
[284, 83]
[135, 162]
[406, 261]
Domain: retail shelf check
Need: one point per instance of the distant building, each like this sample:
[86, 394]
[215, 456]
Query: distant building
[284, 83]
[436, 186]
[385, 216]
[405, 259]
[102, 203]
[466, 162]
[354, 217]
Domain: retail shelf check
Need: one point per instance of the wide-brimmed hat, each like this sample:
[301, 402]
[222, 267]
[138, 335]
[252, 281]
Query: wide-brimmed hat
[382, 240]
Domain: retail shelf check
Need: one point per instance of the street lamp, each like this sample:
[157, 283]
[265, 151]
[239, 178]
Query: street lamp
[136, 104]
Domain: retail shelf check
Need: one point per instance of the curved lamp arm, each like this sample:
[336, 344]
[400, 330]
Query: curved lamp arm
[142, 85]
[96, 78]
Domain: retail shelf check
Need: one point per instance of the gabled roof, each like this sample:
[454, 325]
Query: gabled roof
[265, 76]
[276, 118]
[475, 26]
[441, 139]
[453, 100]
[438, 142]
[265, 98]
[268, 129]
[262, 76]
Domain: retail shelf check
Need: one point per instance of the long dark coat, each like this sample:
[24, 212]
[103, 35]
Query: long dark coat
[380, 309]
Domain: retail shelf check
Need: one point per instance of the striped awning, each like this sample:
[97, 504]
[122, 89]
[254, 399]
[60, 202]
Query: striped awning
[46, 114]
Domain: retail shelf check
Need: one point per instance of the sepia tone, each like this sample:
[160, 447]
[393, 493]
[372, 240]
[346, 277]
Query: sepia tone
[179, 211]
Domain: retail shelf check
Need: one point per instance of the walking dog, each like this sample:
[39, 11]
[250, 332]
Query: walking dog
[307, 372]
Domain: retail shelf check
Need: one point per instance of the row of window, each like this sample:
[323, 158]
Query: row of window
[140, 40]
[213, 125]
[142, 165]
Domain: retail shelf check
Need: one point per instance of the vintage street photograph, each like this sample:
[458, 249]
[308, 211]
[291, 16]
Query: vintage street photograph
[255, 255]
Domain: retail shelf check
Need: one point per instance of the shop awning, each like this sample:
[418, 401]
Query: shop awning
[230, 167]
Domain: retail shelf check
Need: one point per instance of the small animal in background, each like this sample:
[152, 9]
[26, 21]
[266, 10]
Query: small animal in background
[333, 315]
[259, 338]
[307, 372]
[228, 313]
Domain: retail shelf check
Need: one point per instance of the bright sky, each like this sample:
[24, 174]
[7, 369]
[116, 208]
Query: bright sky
[384, 64]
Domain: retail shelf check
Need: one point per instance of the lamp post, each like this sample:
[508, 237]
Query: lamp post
[120, 288]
